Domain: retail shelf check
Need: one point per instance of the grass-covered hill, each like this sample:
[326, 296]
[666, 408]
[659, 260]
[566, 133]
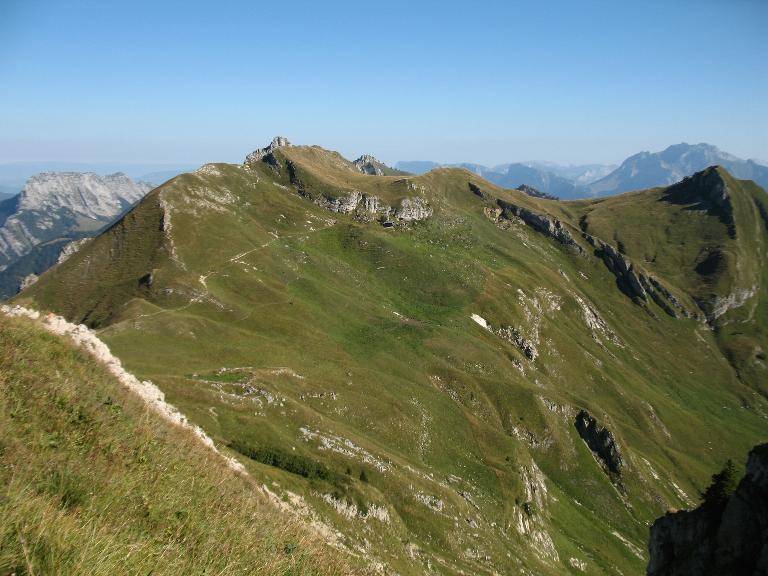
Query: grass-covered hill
[92, 482]
[411, 354]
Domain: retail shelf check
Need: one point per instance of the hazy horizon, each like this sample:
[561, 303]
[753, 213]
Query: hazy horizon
[565, 83]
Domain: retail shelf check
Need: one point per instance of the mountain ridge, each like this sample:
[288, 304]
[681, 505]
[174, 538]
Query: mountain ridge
[430, 366]
[642, 170]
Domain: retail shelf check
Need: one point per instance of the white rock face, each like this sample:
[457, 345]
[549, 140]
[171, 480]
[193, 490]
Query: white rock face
[55, 204]
[70, 249]
[84, 193]
[367, 164]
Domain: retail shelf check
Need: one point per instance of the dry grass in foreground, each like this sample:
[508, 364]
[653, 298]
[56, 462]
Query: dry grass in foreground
[93, 483]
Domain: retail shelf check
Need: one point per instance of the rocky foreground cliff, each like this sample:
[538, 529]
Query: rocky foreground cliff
[719, 538]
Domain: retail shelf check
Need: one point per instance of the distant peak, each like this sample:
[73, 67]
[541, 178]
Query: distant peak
[277, 142]
[368, 164]
[535, 192]
[367, 158]
[708, 191]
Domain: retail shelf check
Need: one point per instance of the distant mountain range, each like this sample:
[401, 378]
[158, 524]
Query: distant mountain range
[646, 169]
[53, 210]
[548, 180]
[642, 170]
[13, 175]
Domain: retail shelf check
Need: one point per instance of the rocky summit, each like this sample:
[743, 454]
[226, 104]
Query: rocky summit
[439, 374]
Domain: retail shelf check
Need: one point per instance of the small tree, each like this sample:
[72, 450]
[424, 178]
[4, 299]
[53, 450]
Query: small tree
[363, 476]
[722, 486]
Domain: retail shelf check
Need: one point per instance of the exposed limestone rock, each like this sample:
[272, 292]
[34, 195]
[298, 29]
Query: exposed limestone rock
[341, 204]
[597, 326]
[208, 170]
[578, 564]
[716, 306]
[262, 153]
[431, 501]
[531, 513]
[28, 280]
[621, 267]
[350, 510]
[367, 207]
[535, 193]
[600, 440]
[345, 447]
[534, 308]
[70, 249]
[513, 336]
[718, 538]
[367, 164]
[549, 226]
[413, 209]
[633, 282]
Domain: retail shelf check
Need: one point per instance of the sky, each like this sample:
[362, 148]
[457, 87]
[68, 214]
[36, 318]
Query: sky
[190, 82]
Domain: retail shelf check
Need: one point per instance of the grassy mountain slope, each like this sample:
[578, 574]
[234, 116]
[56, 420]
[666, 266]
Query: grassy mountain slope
[339, 357]
[714, 253]
[93, 483]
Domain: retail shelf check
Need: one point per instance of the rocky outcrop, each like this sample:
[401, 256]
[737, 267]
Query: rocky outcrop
[368, 207]
[705, 191]
[513, 336]
[633, 282]
[261, 153]
[600, 440]
[716, 306]
[367, 164]
[70, 249]
[547, 225]
[477, 191]
[535, 193]
[727, 538]
[413, 209]
[27, 281]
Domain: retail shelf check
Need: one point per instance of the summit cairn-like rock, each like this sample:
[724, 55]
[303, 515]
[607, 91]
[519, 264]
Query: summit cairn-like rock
[261, 153]
[367, 164]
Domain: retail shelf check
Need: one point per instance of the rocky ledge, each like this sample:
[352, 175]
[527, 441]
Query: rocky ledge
[547, 225]
[705, 191]
[368, 207]
[261, 153]
[367, 164]
[634, 283]
[724, 537]
[535, 192]
[600, 440]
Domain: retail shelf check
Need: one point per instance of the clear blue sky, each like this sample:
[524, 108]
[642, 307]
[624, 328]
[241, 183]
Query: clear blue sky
[190, 82]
